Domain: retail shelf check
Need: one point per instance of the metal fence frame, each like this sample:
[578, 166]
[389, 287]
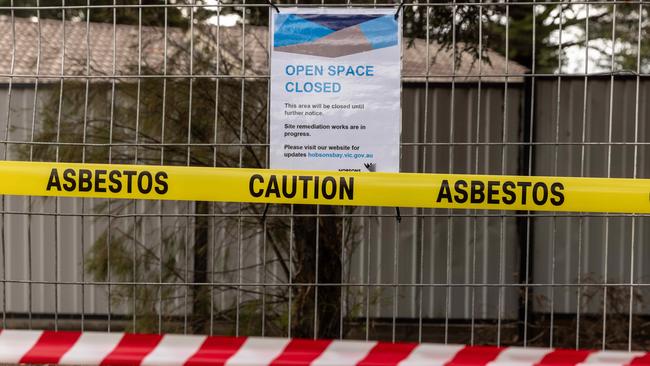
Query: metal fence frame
[500, 329]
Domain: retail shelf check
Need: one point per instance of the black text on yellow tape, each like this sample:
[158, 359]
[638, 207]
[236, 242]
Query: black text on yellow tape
[329, 188]
[305, 186]
[107, 180]
[496, 192]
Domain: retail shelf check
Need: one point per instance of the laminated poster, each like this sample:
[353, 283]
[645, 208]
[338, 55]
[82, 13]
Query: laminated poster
[335, 89]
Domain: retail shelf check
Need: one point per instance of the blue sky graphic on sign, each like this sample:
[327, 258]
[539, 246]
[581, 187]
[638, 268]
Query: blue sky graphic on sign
[333, 35]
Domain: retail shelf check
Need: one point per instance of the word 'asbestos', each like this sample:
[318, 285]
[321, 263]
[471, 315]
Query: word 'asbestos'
[103, 180]
[497, 192]
[310, 186]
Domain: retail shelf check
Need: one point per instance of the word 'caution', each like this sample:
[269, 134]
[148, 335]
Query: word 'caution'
[446, 191]
[287, 186]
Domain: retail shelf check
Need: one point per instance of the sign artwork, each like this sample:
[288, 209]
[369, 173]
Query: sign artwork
[335, 89]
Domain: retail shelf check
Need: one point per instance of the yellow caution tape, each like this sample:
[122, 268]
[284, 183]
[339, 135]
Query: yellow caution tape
[328, 188]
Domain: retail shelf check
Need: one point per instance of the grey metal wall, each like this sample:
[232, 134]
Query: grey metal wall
[442, 246]
[48, 239]
[573, 139]
[435, 246]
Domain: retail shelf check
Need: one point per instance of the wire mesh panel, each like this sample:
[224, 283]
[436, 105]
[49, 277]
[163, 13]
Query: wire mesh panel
[527, 88]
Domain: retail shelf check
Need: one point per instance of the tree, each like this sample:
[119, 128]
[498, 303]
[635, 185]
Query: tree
[549, 48]
[221, 116]
[150, 16]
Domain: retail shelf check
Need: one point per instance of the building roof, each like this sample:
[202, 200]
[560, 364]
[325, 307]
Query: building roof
[94, 42]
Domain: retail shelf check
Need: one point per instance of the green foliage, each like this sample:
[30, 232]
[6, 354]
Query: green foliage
[151, 121]
[102, 11]
[119, 255]
[435, 23]
[548, 50]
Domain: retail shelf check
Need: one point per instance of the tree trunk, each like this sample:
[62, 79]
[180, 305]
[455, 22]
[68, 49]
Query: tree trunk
[200, 294]
[328, 307]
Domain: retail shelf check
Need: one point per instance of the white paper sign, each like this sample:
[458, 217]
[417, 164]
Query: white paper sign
[335, 89]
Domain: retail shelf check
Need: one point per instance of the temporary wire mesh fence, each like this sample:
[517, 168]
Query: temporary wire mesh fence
[530, 88]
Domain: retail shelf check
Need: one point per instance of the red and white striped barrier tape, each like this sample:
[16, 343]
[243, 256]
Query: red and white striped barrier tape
[91, 348]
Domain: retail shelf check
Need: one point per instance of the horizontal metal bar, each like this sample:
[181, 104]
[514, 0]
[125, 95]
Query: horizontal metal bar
[252, 144]
[345, 5]
[322, 284]
[467, 215]
[404, 77]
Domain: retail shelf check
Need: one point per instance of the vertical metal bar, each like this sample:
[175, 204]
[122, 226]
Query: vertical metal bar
[290, 303]
[502, 246]
[267, 163]
[264, 278]
[421, 220]
[585, 92]
[343, 274]
[110, 159]
[267, 159]
[634, 174]
[135, 158]
[476, 166]
[241, 146]
[190, 206]
[162, 162]
[31, 158]
[452, 117]
[214, 163]
[398, 219]
[291, 240]
[316, 272]
[395, 278]
[83, 160]
[344, 278]
[57, 221]
[397, 226]
[530, 172]
[367, 284]
[609, 171]
[555, 170]
[6, 154]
